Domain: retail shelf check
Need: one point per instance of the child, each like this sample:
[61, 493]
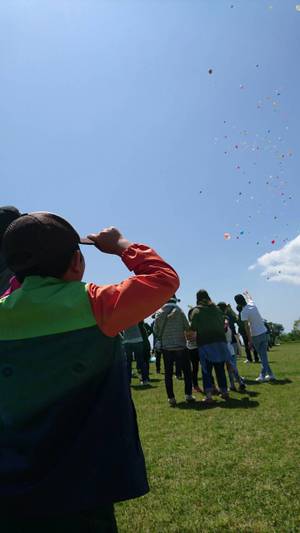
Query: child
[69, 440]
[231, 365]
[192, 347]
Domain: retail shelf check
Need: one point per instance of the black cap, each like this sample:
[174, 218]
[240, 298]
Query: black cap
[8, 213]
[240, 300]
[40, 243]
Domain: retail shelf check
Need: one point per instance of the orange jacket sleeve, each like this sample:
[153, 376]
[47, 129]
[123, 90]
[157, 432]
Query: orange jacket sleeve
[116, 307]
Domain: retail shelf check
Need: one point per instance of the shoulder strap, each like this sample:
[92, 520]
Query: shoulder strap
[163, 327]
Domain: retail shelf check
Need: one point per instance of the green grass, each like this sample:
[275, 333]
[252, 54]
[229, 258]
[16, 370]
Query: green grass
[229, 468]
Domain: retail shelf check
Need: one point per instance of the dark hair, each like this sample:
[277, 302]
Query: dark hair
[203, 297]
[222, 306]
[240, 300]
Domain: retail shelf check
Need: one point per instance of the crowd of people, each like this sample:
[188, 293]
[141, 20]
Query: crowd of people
[69, 441]
[208, 337]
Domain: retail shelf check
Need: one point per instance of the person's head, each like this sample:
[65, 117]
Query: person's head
[240, 300]
[43, 244]
[203, 297]
[8, 213]
[223, 306]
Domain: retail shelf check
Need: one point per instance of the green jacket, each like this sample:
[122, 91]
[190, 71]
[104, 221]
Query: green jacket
[208, 322]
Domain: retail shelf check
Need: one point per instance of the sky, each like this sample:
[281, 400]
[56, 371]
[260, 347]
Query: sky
[176, 121]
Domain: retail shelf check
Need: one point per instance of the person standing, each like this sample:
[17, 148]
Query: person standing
[169, 327]
[256, 332]
[230, 335]
[69, 441]
[156, 347]
[242, 332]
[134, 347]
[208, 323]
[194, 357]
[146, 331]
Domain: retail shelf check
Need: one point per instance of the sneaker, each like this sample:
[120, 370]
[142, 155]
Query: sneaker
[145, 383]
[270, 377]
[260, 379]
[246, 361]
[172, 402]
[189, 398]
[225, 396]
[232, 388]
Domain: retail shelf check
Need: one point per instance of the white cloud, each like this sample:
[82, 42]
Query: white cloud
[281, 265]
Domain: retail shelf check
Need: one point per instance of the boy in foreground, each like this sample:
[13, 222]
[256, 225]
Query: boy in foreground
[69, 443]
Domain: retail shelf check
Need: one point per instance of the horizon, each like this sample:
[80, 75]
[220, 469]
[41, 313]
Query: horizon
[176, 122]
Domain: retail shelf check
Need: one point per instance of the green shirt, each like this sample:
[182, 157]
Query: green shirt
[208, 322]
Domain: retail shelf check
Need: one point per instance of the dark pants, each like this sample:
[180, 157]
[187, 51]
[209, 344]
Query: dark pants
[178, 368]
[157, 360]
[170, 357]
[102, 521]
[136, 349]
[220, 375]
[248, 351]
[194, 358]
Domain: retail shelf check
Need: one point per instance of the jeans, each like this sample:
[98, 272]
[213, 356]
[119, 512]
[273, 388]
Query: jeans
[157, 360]
[220, 375]
[260, 342]
[232, 369]
[170, 357]
[136, 349]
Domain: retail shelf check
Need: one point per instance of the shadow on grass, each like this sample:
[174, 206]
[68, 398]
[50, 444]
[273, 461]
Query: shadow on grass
[251, 393]
[285, 381]
[232, 403]
[143, 387]
[155, 380]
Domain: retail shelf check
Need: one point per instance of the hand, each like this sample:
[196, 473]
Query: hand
[250, 345]
[110, 241]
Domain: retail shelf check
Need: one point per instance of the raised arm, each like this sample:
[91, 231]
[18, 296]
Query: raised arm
[119, 306]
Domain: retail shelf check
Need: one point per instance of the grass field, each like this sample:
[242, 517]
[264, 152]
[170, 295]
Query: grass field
[233, 467]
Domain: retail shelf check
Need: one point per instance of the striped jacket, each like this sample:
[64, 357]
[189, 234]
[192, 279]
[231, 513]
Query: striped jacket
[172, 322]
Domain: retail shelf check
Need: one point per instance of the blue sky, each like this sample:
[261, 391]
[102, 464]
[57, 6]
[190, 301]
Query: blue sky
[110, 117]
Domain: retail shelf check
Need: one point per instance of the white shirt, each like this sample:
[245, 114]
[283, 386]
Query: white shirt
[251, 314]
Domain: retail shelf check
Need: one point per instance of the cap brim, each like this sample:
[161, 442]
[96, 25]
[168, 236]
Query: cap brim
[85, 240]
